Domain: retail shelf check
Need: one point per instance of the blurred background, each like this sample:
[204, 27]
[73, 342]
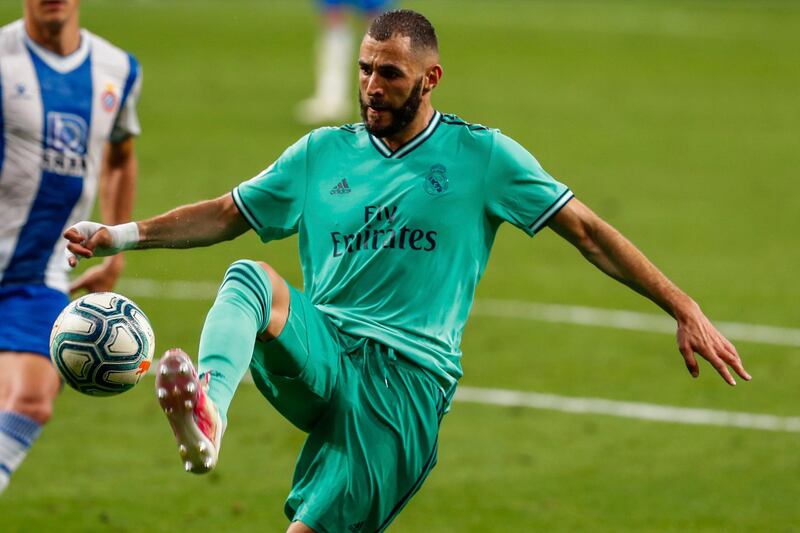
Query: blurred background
[677, 121]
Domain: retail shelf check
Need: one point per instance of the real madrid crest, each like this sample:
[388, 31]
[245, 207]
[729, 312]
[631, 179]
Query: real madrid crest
[436, 180]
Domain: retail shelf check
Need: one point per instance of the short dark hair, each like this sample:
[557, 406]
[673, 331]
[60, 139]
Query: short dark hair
[408, 24]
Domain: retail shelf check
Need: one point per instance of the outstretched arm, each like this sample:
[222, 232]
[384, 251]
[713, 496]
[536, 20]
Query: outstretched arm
[201, 224]
[615, 255]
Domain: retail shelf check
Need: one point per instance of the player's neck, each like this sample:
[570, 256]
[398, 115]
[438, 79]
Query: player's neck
[419, 123]
[62, 40]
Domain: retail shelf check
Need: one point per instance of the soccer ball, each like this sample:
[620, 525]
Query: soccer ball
[102, 344]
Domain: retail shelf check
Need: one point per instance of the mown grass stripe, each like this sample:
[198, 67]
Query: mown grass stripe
[513, 309]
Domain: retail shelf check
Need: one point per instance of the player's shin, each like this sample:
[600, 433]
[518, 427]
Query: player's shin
[240, 312]
[17, 434]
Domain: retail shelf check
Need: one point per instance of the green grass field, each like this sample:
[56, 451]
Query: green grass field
[676, 120]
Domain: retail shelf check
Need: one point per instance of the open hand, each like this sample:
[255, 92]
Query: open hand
[99, 278]
[696, 334]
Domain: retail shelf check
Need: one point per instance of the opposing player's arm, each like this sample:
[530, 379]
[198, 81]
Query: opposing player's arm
[189, 226]
[117, 187]
[116, 191]
[615, 255]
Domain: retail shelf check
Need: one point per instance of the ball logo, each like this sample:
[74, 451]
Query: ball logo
[66, 133]
[144, 366]
[108, 99]
[436, 180]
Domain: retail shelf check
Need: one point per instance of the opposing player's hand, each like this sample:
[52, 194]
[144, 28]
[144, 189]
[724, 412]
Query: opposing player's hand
[88, 239]
[99, 278]
[696, 335]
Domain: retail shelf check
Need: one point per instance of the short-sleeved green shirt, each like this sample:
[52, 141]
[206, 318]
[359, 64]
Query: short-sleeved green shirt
[392, 244]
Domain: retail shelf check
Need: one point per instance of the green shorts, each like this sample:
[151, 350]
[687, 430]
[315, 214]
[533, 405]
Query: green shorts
[372, 420]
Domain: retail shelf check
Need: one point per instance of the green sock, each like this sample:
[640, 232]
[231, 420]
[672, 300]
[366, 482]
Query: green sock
[240, 312]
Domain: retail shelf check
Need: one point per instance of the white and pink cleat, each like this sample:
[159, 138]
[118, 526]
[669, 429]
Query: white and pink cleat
[193, 416]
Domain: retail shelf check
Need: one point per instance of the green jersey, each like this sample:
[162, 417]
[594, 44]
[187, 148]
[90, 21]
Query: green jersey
[393, 243]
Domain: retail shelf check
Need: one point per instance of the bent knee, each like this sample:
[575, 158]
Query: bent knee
[35, 405]
[266, 285]
[246, 266]
[274, 283]
[274, 278]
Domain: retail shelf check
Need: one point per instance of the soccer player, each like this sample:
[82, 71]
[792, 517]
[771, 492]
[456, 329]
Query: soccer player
[334, 50]
[396, 217]
[67, 121]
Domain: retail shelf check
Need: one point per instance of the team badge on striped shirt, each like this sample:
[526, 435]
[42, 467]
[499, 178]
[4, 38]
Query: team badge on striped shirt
[109, 98]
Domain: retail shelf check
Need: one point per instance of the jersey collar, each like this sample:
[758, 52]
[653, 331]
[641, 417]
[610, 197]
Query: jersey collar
[61, 64]
[411, 145]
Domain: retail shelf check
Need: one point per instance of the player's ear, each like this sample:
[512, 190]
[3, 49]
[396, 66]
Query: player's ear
[431, 80]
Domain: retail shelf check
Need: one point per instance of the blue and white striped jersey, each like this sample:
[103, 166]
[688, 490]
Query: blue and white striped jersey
[56, 114]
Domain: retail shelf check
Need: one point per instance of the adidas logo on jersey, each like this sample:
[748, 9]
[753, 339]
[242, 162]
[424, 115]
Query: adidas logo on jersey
[341, 188]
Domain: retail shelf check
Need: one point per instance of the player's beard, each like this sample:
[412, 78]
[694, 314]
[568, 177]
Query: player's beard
[401, 116]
